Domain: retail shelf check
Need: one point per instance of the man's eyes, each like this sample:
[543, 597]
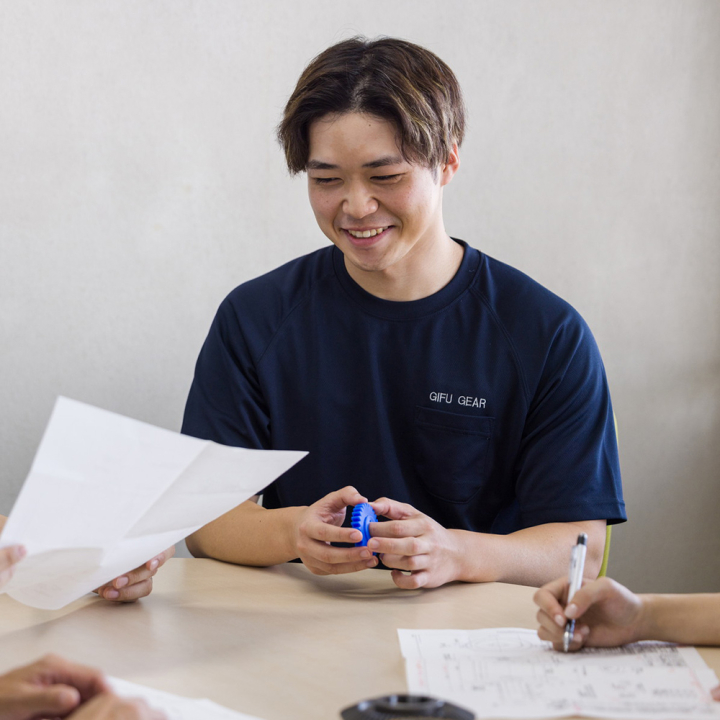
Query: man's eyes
[374, 178]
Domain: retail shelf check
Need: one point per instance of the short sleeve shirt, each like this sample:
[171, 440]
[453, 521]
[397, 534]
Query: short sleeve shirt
[485, 405]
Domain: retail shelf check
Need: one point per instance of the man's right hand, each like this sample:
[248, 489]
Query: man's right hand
[320, 524]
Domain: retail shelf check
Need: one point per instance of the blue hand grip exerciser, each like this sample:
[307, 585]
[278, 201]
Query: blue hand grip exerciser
[362, 515]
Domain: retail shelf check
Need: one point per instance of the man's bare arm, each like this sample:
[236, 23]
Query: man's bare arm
[248, 535]
[415, 543]
[252, 535]
[534, 555]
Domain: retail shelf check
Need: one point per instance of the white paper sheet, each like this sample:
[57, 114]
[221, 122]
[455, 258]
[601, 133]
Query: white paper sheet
[511, 673]
[176, 707]
[107, 493]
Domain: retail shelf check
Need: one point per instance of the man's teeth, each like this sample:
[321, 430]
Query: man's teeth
[366, 233]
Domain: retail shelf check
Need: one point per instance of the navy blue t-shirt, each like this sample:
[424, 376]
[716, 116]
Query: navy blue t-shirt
[484, 405]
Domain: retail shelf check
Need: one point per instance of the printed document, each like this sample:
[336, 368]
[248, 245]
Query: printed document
[511, 673]
[106, 493]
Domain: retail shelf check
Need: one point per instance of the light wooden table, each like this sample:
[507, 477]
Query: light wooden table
[279, 643]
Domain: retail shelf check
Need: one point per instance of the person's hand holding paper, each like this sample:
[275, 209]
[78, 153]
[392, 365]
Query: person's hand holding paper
[9, 556]
[126, 588]
[137, 583]
[105, 493]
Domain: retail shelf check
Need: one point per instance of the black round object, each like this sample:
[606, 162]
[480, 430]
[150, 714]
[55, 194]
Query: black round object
[405, 707]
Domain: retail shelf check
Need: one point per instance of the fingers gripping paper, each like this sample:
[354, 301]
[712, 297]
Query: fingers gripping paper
[107, 493]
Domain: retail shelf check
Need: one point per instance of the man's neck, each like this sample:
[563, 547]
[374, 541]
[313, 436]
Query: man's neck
[423, 272]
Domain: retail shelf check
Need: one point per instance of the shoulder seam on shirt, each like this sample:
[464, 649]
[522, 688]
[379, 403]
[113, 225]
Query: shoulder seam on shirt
[483, 298]
[286, 317]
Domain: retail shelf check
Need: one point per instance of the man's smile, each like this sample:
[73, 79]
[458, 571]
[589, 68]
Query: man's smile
[365, 237]
[363, 233]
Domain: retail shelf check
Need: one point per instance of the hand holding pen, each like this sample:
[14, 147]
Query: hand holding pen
[607, 613]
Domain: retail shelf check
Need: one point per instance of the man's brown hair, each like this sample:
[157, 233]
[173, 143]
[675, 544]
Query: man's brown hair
[392, 79]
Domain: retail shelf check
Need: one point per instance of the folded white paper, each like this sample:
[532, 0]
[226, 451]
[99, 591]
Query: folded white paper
[176, 707]
[107, 493]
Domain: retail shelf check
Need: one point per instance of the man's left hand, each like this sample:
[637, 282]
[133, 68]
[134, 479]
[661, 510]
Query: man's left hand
[137, 583]
[420, 551]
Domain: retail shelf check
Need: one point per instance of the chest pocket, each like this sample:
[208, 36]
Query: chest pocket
[451, 452]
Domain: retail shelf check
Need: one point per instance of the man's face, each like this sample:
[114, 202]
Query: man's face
[379, 209]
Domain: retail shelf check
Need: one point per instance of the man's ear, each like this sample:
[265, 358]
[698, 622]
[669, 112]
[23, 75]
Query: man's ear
[448, 170]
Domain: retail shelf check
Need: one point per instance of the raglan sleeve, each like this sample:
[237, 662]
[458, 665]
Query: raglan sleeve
[568, 467]
[225, 403]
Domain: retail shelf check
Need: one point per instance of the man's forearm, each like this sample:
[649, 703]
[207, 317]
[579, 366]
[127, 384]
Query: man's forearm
[690, 619]
[532, 556]
[248, 535]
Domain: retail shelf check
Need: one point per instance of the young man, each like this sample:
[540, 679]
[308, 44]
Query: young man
[469, 399]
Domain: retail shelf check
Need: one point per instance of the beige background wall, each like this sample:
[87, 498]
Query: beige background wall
[140, 181]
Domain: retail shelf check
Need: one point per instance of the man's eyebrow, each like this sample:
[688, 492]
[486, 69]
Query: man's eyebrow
[319, 165]
[380, 162]
[383, 161]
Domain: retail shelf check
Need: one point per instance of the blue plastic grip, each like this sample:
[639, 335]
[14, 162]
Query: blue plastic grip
[362, 515]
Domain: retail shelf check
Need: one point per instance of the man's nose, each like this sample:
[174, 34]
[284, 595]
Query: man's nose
[359, 201]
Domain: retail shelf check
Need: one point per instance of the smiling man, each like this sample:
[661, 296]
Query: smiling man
[467, 401]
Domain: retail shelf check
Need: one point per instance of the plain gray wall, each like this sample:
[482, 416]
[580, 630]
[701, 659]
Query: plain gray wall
[140, 181]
